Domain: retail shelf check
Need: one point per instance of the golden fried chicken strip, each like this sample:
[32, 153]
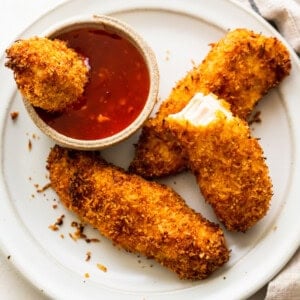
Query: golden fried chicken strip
[228, 163]
[140, 216]
[48, 73]
[240, 69]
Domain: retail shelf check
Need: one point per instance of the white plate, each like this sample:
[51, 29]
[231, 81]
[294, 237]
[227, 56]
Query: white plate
[179, 32]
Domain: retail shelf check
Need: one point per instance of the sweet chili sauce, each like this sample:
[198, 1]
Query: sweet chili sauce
[116, 92]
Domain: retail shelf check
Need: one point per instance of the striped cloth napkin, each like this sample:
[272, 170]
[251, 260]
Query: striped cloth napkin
[285, 15]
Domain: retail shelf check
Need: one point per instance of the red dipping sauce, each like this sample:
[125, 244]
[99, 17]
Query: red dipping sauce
[117, 90]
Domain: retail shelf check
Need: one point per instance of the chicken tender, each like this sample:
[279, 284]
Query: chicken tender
[137, 215]
[228, 163]
[157, 152]
[240, 69]
[48, 74]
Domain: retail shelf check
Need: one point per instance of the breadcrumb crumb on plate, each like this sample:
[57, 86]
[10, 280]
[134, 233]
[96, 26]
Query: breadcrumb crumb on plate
[14, 115]
[102, 268]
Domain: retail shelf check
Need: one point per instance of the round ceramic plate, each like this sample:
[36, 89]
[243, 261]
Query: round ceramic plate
[179, 32]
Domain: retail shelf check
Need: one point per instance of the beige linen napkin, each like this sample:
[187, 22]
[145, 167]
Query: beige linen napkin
[286, 285]
[285, 14]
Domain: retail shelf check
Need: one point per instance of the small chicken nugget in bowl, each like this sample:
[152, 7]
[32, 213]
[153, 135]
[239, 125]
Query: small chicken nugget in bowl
[48, 73]
[95, 81]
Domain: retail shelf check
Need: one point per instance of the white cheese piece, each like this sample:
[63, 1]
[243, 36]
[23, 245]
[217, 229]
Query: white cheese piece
[201, 110]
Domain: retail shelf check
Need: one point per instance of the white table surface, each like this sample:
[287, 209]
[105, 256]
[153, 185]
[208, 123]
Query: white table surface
[15, 16]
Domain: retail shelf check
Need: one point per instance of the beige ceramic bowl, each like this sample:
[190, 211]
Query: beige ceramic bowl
[122, 29]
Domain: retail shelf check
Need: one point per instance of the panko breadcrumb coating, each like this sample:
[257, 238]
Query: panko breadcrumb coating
[137, 215]
[48, 73]
[240, 69]
[228, 163]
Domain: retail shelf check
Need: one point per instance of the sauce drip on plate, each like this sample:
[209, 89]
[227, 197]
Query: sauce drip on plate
[117, 90]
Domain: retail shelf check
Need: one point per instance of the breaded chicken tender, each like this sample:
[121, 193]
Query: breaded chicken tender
[48, 74]
[228, 163]
[240, 68]
[137, 215]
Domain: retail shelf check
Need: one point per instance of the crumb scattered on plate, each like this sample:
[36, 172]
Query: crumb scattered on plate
[14, 115]
[44, 188]
[78, 234]
[88, 256]
[102, 267]
[59, 222]
[255, 118]
[29, 145]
